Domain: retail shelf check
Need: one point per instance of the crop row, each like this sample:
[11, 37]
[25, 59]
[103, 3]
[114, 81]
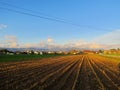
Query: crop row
[76, 72]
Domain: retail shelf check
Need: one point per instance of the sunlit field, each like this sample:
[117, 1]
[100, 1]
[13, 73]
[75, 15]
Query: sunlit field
[112, 55]
[73, 72]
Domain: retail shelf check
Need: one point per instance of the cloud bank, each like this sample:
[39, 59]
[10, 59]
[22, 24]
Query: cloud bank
[9, 41]
[106, 41]
[109, 38]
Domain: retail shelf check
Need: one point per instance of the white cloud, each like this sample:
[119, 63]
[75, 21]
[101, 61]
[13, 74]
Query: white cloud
[106, 41]
[10, 38]
[50, 40]
[14, 45]
[109, 38]
[2, 26]
[9, 41]
[28, 45]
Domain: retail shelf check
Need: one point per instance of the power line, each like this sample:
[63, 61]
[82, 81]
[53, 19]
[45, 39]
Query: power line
[30, 14]
[47, 17]
[38, 16]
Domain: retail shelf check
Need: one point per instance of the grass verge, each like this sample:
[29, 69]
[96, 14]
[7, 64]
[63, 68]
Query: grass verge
[21, 57]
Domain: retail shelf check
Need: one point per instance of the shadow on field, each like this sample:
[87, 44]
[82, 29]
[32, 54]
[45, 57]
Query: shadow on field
[119, 70]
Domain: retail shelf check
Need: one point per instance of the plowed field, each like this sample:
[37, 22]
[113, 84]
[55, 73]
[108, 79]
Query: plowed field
[76, 72]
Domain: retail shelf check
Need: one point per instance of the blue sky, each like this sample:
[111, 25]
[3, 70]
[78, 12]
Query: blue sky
[96, 19]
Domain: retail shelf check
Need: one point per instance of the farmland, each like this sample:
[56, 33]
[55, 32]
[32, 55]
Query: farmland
[23, 57]
[73, 72]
